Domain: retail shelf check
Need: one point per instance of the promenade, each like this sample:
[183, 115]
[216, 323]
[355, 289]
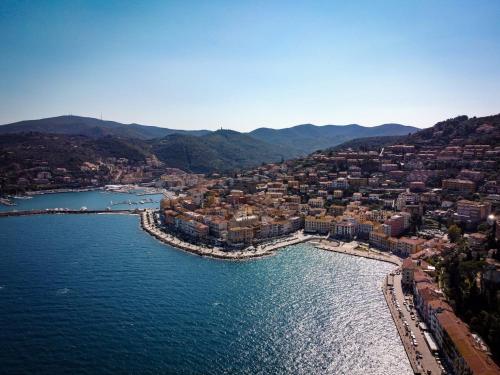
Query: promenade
[421, 359]
[350, 248]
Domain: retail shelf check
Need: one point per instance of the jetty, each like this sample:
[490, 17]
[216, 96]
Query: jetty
[65, 211]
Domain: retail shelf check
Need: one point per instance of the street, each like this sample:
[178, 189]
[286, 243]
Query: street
[420, 356]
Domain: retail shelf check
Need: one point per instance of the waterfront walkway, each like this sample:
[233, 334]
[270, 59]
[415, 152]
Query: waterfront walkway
[351, 249]
[421, 359]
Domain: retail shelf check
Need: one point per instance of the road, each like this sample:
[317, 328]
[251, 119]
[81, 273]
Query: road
[427, 362]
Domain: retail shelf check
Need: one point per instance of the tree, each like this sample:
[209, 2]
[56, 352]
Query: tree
[483, 227]
[454, 233]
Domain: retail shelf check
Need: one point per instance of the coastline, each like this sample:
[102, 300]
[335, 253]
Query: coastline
[398, 329]
[62, 190]
[319, 242]
[147, 224]
[347, 248]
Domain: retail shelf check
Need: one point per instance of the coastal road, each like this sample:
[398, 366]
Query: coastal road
[427, 362]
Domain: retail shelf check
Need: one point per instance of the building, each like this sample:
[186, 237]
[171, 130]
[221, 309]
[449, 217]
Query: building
[407, 246]
[191, 227]
[318, 224]
[240, 235]
[345, 229]
[460, 350]
[316, 202]
[463, 186]
[379, 239]
[473, 212]
[396, 224]
[407, 271]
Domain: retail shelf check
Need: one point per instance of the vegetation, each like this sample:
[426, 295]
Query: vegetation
[369, 143]
[460, 130]
[472, 297]
[92, 127]
[454, 233]
[305, 139]
[223, 150]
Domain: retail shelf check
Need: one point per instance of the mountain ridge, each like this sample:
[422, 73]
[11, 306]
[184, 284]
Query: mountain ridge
[92, 127]
[299, 139]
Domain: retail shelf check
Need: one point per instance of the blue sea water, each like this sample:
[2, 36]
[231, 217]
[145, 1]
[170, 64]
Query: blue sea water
[93, 200]
[94, 294]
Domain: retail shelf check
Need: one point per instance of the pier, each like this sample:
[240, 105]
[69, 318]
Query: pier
[64, 211]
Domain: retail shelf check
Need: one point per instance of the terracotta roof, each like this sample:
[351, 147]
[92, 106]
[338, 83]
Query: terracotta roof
[409, 264]
[478, 362]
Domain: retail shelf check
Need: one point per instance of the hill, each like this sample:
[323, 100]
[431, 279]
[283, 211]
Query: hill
[92, 127]
[222, 150]
[457, 131]
[369, 143]
[299, 140]
[460, 130]
[308, 138]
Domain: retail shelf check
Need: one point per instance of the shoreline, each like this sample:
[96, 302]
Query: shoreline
[146, 218]
[350, 250]
[319, 242]
[399, 331]
[147, 224]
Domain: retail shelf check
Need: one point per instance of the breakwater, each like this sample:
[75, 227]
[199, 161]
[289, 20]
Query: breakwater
[60, 212]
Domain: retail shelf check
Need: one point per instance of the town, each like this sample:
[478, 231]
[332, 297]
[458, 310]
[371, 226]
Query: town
[422, 205]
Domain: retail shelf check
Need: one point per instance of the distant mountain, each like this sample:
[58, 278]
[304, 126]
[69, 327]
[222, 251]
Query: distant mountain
[222, 150]
[92, 127]
[298, 140]
[308, 138]
[196, 151]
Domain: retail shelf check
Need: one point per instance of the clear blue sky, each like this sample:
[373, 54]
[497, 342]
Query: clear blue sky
[246, 64]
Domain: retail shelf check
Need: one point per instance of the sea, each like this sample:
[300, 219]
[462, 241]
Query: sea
[94, 294]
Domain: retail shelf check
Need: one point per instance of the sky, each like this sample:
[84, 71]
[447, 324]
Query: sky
[247, 64]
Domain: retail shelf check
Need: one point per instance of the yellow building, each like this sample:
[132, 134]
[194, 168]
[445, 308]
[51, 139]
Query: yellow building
[238, 235]
[318, 224]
